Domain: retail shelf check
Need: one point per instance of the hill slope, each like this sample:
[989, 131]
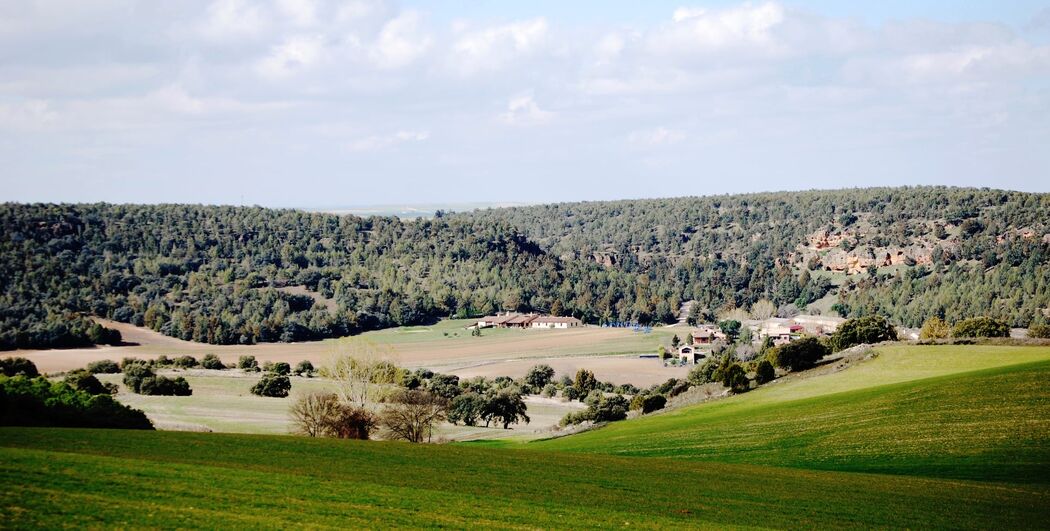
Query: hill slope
[55, 478]
[953, 412]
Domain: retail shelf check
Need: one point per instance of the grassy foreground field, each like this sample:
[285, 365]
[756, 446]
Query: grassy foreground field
[954, 412]
[83, 478]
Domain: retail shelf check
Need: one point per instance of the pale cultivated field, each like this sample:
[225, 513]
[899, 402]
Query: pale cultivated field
[445, 346]
[221, 402]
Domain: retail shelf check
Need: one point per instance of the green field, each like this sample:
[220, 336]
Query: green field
[918, 437]
[84, 478]
[944, 411]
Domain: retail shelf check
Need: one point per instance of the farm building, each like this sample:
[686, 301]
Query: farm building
[707, 334]
[547, 321]
[690, 354]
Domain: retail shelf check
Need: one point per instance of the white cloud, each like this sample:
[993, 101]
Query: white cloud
[234, 19]
[660, 136]
[294, 55]
[299, 12]
[401, 41]
[523, 111]
[378, 143]
[711, 30]
[492, 48]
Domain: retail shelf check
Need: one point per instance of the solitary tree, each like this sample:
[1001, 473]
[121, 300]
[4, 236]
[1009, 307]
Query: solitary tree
[539, 376]
[935, 328]
[506, 407]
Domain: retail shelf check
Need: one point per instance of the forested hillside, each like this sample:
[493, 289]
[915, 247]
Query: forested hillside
[243, 275]
[907, 253]
[219, 274]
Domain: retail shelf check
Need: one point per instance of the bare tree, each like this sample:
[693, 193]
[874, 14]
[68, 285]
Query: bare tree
[323, 415]
[763, 309]
[359, 368]
[313, 413]
[411, 415]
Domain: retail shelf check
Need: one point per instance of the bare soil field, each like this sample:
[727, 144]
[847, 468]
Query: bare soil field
[612, 353]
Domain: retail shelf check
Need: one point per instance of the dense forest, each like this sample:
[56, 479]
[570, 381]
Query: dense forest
[964, 252]
[246, 274]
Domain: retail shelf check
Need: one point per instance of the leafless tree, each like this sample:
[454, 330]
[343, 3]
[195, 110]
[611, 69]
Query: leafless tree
[359, 368]
[324, 415]
[411, 415]
[313, 413]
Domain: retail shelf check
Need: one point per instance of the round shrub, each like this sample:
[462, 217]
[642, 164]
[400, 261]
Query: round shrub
[212, 362]
[1039, 331]
[248, 363]
[653, 403]
[186, 362]
[869, 329]
[798, 355]
[82, 380]
[765, 372]
[103, 367]
[272, 385]
[280, 368]
[981, 327]
[18, 367]
[305, 369]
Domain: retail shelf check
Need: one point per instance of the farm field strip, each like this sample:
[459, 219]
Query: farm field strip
[60, 477]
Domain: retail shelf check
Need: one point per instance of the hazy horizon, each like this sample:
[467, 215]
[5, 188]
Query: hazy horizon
[313, 103]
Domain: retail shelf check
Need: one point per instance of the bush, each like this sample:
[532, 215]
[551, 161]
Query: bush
[305, 369]
[82, 380]
[703, 374]
[127, 362]
[870, 329]
[163, 386]
[39, 402]
[735, 378]
[212, 362]
[103, 367]
[981, 327]
[18, 367]
[765, 372]
[935, 328]
[163, 361]
[798, 355]
[186, 362]
[653, 403]
[272, 385]
[549, 391]
[576, 417]
[140, 379]
[101, 335]
[1039, 331]
[610, 408]
[248, 363]
[280, 368]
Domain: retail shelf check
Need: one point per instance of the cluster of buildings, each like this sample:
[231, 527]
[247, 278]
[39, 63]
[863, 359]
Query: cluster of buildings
[781, 331]
[527, 320]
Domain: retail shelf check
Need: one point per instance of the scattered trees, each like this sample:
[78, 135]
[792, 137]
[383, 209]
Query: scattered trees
[140, 379]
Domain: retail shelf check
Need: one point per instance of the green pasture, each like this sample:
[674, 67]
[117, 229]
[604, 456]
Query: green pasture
[948, 411]
[87, 478]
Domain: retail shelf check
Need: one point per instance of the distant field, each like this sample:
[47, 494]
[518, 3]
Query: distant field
[221, 402]
[445, 346]
[961, 412]
[84, 478]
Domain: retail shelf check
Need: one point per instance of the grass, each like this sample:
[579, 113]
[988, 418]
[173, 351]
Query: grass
[93, 478]
[919, 437]
[954, 412]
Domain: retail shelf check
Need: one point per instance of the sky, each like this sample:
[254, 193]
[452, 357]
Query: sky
[315, 103]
